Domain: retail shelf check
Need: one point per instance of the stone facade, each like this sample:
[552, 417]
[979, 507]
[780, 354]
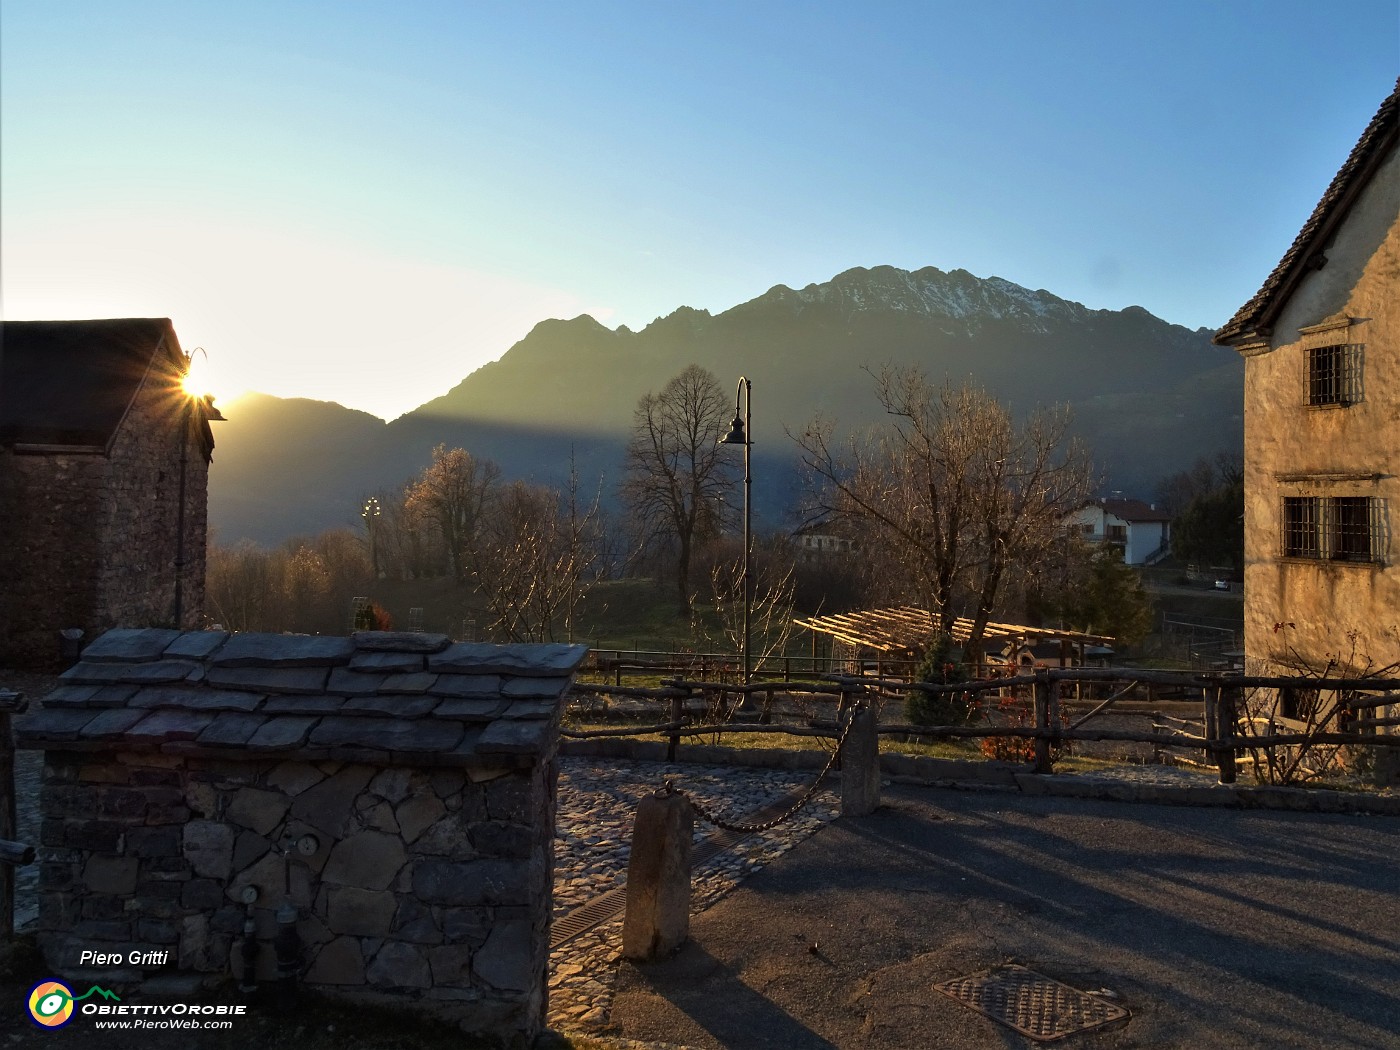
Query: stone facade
[92, 511]
[392, 795]
[1321, 343]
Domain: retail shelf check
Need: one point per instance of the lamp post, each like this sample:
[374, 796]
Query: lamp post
[371, 515]
[741, 433]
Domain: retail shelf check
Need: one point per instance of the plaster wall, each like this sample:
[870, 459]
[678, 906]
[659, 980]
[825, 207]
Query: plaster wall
[1291, 449]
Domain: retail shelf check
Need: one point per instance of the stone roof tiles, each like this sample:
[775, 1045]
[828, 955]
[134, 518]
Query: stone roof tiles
[381, 696]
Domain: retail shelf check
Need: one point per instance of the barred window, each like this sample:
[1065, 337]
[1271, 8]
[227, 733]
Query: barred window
[1340, 528]
[1353, 528]
[1334, 374]
[1301, 536]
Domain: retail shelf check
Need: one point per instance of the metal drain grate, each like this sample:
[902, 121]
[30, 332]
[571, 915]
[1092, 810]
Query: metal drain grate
[1034, 1005]
[611, 903]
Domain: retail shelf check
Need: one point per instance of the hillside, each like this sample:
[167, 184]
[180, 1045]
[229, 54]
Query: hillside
[1148, 395]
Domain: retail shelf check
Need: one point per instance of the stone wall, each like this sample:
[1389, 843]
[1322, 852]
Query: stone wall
[140, 511]
[50, 518]
[392, 795]
[91, 533]
[413, 887]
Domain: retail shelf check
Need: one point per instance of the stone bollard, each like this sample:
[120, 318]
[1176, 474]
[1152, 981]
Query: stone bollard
[658, 879]
[860, 765]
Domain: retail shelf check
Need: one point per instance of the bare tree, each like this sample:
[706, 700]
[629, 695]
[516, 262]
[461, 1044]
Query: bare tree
[717, 620]
[453, 492]
[956, 493]
[306, 582]
[676, 476]
[535, 560]
[244, 585]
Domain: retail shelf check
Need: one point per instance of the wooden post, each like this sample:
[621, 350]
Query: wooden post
[1046, 704]
[9, 702]
[860, 764]
[677, 713]
[1225, 714]
[657, 921]
[1209, 722]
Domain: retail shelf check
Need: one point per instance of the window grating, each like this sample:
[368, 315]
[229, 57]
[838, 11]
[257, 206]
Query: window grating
[1301, 535]
[1340, 528]
[1354, 526]
[1334, 374]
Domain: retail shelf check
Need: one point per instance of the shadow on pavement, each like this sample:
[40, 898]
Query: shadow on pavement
[710, 995]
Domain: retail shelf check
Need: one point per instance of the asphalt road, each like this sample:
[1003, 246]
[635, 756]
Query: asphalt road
[1215, 928]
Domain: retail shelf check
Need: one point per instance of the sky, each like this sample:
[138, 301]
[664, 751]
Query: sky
[364, 202]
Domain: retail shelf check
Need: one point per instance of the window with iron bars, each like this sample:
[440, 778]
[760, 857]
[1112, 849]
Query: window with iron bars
[1334, 374]
[1337, 528]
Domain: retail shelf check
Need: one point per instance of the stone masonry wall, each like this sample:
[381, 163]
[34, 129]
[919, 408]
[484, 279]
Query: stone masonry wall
[424, 886]
[140, 510]
[50, 516]
[389, 794]
[90, 538]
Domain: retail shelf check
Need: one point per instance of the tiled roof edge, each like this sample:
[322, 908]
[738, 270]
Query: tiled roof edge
[1375, 143]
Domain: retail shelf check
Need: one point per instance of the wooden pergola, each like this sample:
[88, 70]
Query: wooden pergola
[904, 630]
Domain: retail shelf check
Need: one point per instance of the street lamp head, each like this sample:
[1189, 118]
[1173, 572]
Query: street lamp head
[736, 435]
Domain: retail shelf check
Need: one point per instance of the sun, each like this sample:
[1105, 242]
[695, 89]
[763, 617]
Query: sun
[201, 379]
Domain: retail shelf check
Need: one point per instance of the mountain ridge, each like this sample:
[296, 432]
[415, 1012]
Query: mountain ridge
[568, 389]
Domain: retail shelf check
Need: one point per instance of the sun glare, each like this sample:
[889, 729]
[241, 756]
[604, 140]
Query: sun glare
[193, 385]
[200, 380]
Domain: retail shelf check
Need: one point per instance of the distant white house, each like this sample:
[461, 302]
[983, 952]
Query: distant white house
[1139, 529]
[812, 545]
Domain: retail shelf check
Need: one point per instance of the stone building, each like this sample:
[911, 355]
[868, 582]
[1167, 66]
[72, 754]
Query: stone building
[371, 817]
[1321, 347]
[104, 464]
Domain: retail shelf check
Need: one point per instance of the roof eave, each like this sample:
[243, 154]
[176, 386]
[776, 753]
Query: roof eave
[1306, 255]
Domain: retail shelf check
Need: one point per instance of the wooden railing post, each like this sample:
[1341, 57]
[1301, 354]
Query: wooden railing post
[677, 714]
[1046, 710]
[1226, 705]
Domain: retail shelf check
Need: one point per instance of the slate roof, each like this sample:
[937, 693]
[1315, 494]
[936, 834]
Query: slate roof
[72, 382]
[1379, 138]
[394, 698]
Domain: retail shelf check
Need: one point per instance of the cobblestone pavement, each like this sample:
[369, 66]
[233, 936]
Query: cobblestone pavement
[596, 804]
[594, 833]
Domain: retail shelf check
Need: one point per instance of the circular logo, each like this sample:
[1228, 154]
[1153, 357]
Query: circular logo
[51, 1004]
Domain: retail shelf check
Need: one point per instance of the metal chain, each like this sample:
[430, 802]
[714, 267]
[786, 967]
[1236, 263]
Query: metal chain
[710, 817]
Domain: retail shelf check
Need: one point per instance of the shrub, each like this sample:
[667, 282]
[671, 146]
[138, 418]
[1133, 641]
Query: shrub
[926, 708]
[372, 617]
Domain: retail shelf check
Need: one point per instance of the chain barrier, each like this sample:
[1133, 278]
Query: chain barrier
[739, 826]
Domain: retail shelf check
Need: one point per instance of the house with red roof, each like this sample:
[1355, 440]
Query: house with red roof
[1138, 529]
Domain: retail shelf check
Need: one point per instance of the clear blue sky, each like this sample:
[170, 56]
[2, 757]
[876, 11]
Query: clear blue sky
[363, 202]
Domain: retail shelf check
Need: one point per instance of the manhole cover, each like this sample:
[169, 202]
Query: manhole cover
[1031, 1003]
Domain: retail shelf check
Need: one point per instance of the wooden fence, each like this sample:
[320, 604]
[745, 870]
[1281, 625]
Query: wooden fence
[622, 664]
[1225, 731]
